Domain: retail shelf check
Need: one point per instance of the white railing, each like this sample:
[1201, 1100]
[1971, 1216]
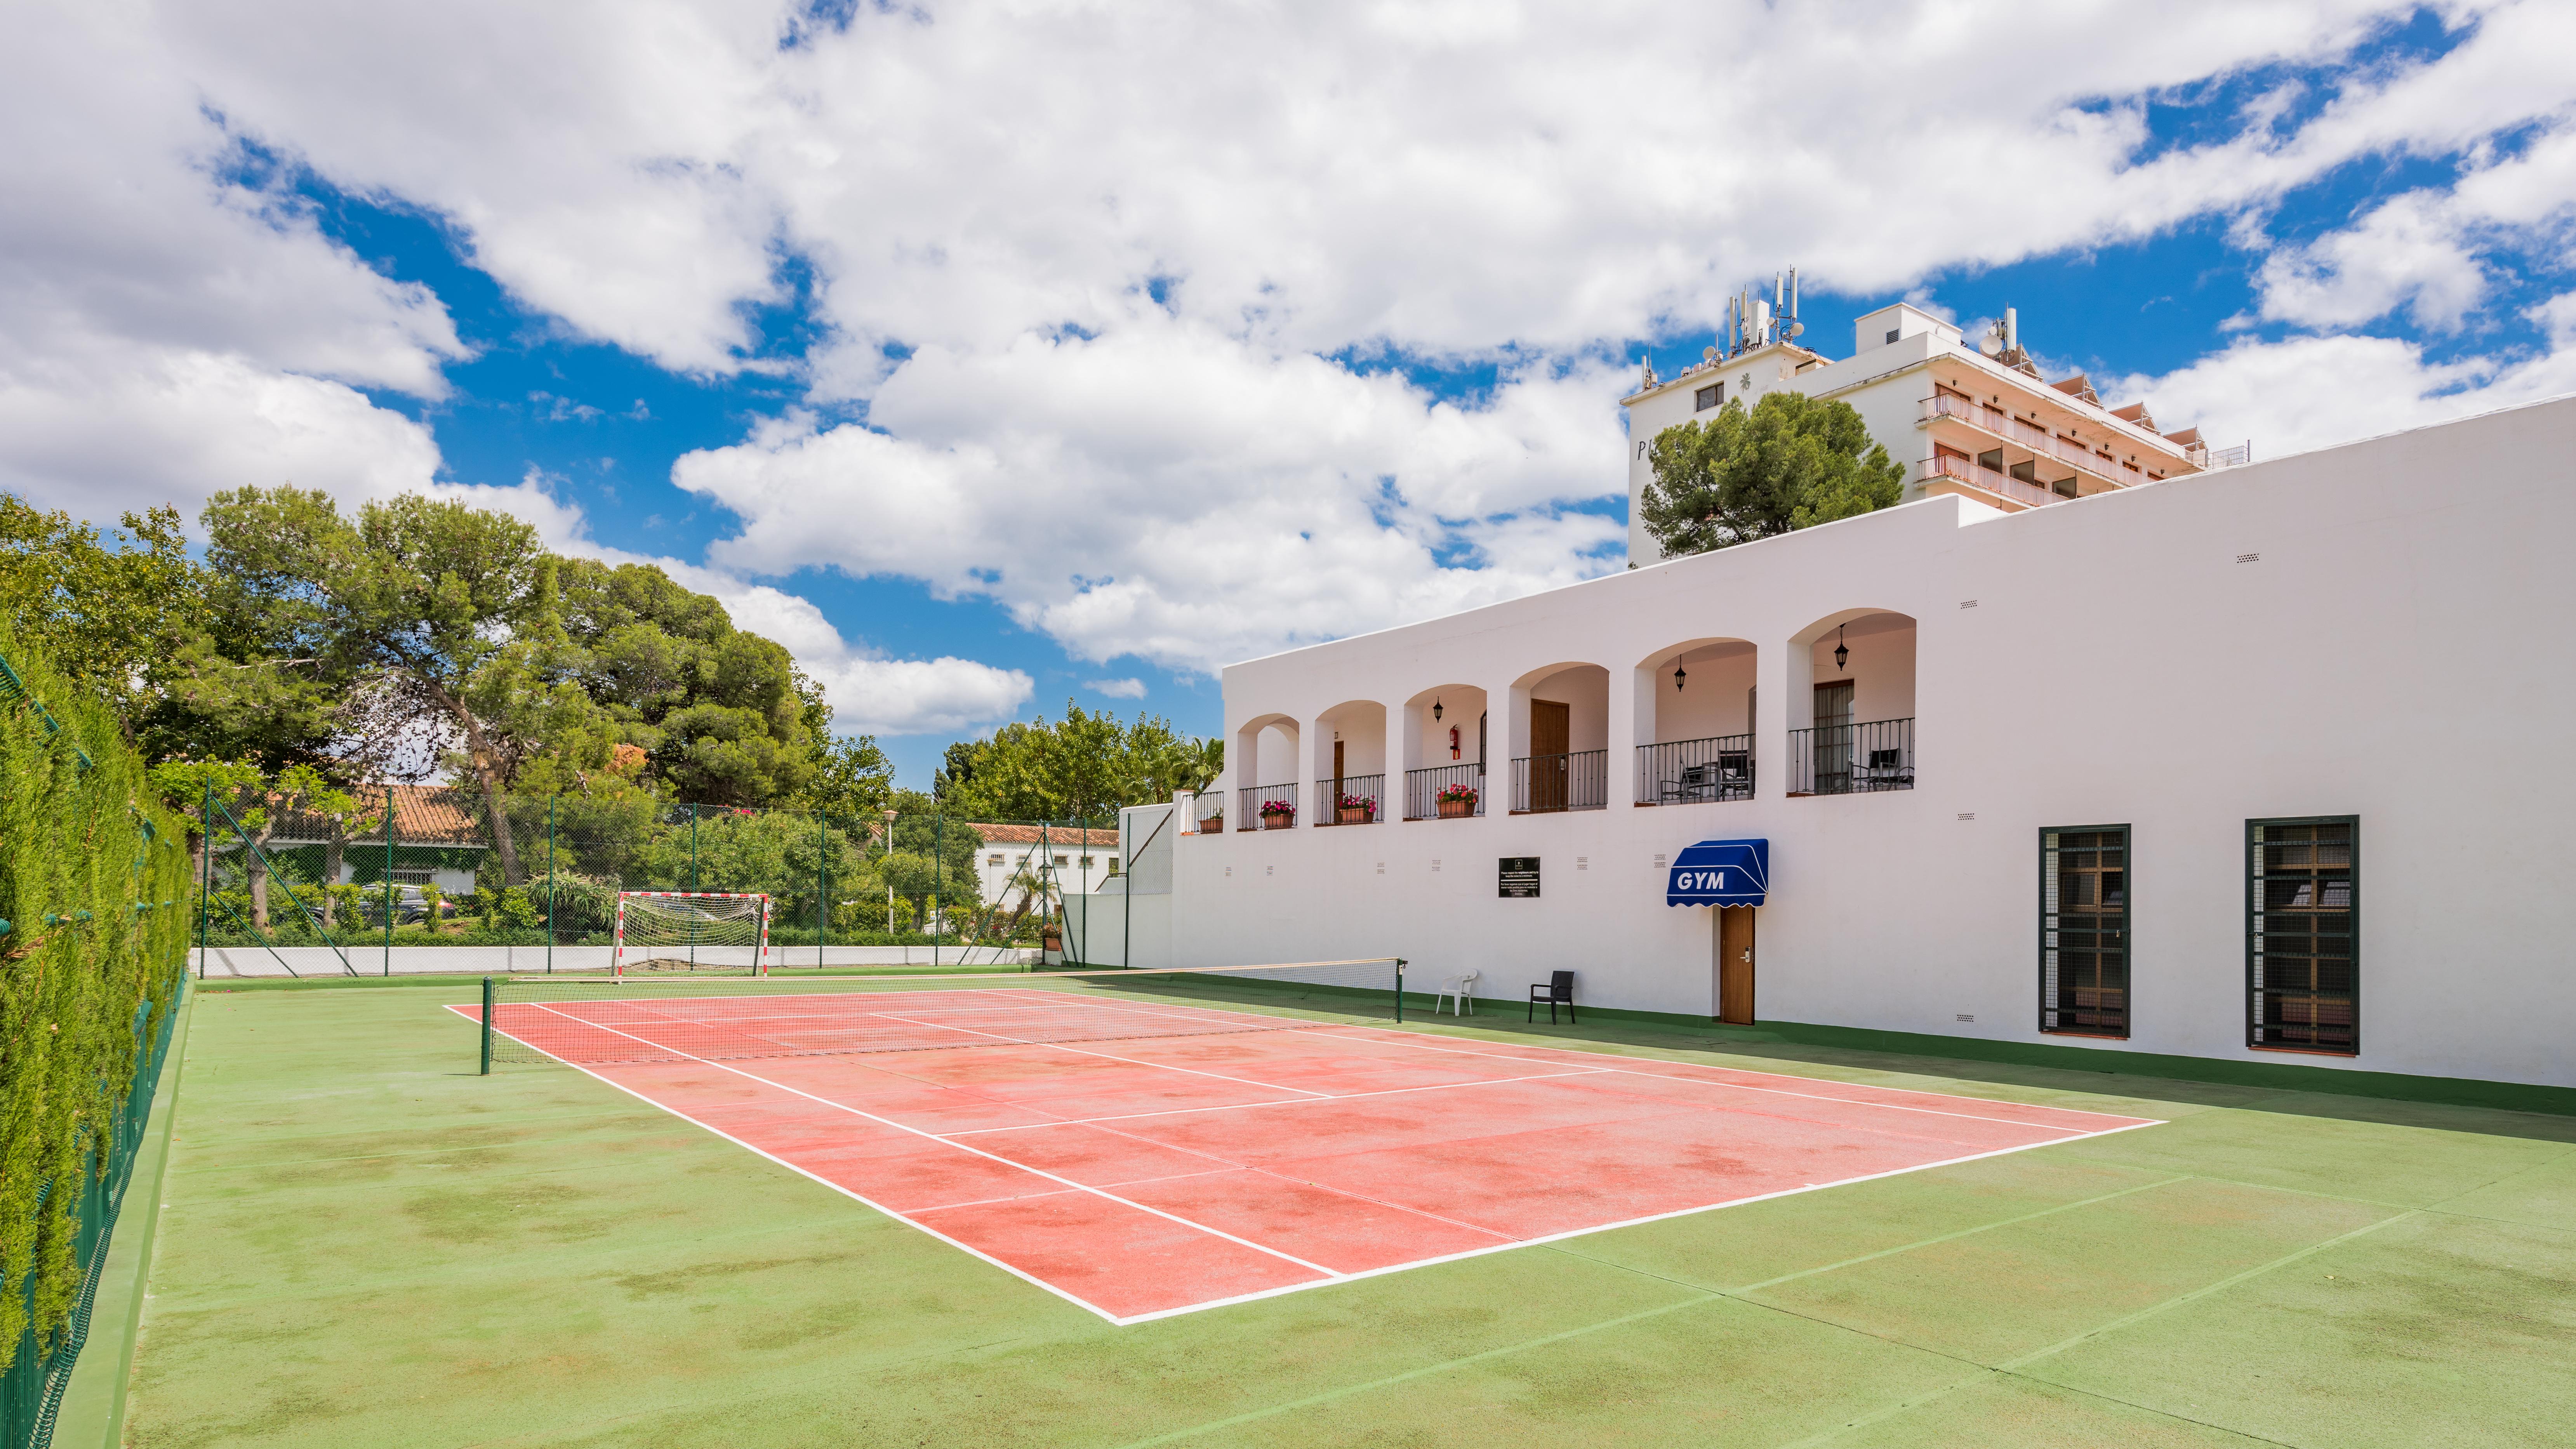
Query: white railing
[1996, 423]
[2002, 485]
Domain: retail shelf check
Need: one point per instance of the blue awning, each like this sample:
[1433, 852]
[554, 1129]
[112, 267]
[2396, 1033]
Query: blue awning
[1720, 873]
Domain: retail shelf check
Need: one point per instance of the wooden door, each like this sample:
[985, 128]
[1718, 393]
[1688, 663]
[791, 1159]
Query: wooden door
[1550, 728]
[1735, 964]
[1337, 770]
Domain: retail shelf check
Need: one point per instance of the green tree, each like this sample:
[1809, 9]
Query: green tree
[853, 780]
[777, 853]
[108, 610]
[1085, 766]
[723, 715]
[138, 623]
[1788, 462]
[422, 612]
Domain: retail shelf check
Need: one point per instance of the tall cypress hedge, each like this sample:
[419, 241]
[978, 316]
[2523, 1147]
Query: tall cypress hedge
[94, 888]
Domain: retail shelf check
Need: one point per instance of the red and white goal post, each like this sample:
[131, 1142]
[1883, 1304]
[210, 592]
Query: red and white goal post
[691, 931]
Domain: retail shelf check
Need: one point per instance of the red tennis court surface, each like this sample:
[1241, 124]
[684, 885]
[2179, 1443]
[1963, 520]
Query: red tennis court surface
[1142, 1174]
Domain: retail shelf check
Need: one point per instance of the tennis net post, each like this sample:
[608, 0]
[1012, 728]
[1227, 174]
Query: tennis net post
[487, 1026]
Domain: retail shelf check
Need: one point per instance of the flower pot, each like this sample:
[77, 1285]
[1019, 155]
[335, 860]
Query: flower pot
[1455, 809]
[1277, 819]
[1356, 815]
[1213, 825]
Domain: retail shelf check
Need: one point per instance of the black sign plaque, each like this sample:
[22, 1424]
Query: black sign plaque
[1518, 878]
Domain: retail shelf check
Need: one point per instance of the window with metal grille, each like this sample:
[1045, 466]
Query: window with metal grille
[2302, 958]
[1708, 397]
[2084, 931]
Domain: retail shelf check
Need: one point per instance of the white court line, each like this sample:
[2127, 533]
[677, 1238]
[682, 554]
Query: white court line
[950, 1207]
[1352, 1277]
[963, 1147]
[1111, 1057]
[1405, 1038]
[1569, 1233]
[843, 1189]
[1281, 1102]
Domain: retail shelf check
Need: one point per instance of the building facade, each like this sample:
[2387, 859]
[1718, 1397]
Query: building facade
[1976, 421]
[2227, 764]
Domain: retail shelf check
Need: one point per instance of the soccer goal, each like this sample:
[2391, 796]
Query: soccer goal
[692, 931]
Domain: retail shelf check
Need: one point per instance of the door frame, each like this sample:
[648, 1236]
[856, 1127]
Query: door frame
[1719, 999]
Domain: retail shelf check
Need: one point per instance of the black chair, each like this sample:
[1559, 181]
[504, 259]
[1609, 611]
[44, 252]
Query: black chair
[1559, 987]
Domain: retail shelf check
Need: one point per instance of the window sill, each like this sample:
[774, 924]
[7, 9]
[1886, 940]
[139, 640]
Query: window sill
[2291, 1051]
[2092, 1035]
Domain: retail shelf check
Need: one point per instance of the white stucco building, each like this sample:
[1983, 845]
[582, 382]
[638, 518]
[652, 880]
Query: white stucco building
[2260, 763]
[1974, 420]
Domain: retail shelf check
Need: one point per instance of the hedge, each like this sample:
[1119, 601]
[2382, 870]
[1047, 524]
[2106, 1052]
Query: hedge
[94, 893]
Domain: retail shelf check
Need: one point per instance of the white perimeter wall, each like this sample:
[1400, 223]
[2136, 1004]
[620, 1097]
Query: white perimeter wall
[2397, 653]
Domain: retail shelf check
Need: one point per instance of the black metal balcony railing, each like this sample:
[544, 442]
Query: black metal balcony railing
[1851, 759]
[1267, 807]
[1688, 772]
[1464, 785]
[1545, 783]
[1351, 800]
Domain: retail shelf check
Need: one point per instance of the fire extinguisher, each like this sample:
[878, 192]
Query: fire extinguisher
[1453, 742]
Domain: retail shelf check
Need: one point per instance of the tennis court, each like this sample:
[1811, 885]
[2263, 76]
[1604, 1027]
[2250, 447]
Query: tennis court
[1145, 1157]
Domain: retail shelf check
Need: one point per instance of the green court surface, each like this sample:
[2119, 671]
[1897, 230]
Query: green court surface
[366, 1244]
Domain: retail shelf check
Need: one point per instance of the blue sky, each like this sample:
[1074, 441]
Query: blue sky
[991, 361]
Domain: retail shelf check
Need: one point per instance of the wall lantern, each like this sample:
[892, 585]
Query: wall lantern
[1679, 673]
[1841, 653]
[1435, 708]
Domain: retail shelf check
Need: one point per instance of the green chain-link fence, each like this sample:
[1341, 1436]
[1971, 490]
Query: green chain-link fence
[93, 933]
[432, 878]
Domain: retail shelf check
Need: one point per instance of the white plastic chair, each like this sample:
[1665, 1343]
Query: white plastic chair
[1460, 993]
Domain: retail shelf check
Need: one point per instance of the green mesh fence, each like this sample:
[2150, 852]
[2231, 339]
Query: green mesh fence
[435, 878]
[94, 922]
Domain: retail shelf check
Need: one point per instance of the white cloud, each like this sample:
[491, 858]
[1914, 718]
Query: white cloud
[100, 431]
[164, 331]
[869, 693]
[2406, 252]
[1117, 688]
[1166, 493]
[985, 194]
[2311, 392]
[2421, 250]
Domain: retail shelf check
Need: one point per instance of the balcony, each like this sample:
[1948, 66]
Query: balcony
[1852, 759]
[2004, 486]
[1452, 792]
[1691, 772]
[1996, 423]
[1546, 784]
[1357, 800]
[1273, 806]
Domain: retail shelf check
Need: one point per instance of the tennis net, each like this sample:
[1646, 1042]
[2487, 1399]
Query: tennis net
[597, 1020]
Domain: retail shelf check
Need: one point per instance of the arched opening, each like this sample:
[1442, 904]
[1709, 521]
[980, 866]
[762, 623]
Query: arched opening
[1350, 764]
[1695, 730]
[1446, 736]
[1265, 771]
[1851, 704]
[1560, 739]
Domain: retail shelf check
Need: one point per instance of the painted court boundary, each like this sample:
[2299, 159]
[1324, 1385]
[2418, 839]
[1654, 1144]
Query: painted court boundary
[1592, 1064]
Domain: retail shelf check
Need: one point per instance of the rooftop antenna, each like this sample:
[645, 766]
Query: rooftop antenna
[1797, 328]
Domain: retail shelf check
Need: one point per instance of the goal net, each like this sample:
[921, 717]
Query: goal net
[701, 931]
